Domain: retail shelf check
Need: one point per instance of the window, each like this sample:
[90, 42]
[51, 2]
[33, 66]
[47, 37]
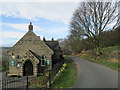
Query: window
[12, 63]
[17, 57]
[43, 60]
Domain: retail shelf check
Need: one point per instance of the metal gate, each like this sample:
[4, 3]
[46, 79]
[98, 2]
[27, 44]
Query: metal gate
[15, 83]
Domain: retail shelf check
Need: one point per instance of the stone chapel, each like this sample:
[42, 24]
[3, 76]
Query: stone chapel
[31, 55]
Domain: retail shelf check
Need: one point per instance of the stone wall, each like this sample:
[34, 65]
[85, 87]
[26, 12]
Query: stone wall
[13, 70]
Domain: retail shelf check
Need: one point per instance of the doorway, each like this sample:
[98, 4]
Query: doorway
[27, 68]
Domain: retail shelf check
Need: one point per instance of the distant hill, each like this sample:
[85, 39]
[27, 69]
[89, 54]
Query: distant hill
[4, 58]
[5, 47]
[3, 53]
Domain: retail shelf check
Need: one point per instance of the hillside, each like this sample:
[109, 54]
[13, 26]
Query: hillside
[3, 53]
[110, 58]
[4, 58]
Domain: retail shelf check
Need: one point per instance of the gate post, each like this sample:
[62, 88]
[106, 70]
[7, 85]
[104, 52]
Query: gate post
[27, 80]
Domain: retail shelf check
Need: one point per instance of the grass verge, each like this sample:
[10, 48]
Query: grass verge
[112, 65]
[106, 60]
[38, 82]
[66, 79]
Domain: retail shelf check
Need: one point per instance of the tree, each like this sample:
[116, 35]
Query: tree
[65, 46]
[111, 38]
[74, 44]
[92, 18]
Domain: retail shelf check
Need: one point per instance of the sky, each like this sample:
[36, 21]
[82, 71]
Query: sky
[49, 19]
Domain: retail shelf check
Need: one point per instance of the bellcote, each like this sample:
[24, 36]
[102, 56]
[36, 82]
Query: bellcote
[44, 39]
[52, 39]
[30, 27]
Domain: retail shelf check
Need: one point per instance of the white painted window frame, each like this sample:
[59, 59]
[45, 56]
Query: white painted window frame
[44, 61]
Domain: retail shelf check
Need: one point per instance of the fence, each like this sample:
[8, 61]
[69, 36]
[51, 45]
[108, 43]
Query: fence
[15, 82]
[55, 70]
[24, 82]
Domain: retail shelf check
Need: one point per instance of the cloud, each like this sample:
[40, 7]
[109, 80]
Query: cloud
[8, 43]
[57, 0]
[58, 30]
[10, 38]
[22, 26]
[12, 35]
[54, 11]
[45, 0]
[61, 30]
[112, 24]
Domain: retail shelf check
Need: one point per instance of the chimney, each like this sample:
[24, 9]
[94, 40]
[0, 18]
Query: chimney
[52, 39]
[44, 39]
[30, 27]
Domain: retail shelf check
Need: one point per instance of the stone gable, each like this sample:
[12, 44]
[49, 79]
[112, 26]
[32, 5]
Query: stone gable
[28, 50]
[30, 41]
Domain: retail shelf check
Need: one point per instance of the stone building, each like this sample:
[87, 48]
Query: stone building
[31, 56]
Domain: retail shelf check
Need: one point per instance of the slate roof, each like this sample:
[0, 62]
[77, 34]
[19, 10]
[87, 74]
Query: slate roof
[54, 45]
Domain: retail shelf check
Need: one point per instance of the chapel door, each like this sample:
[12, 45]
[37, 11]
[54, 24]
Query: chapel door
[27, 68]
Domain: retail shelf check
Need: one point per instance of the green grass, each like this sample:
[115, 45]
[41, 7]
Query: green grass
[104, 60]
[66, 57]
[112, 65]
[66, 79]
[38, 82]
[112, 48]
[3, 69]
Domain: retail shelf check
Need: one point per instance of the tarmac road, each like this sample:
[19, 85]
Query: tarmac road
[93, 75]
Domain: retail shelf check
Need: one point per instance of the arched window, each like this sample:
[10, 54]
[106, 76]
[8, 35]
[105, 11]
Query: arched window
[43, 60]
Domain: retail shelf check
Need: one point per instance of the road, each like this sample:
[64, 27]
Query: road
[93, 75]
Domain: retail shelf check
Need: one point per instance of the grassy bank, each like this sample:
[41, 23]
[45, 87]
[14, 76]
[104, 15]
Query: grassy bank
[112, 65]
[110, 59]
[38, 82]
[66, 79]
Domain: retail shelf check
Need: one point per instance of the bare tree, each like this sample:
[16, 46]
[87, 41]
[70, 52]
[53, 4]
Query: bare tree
[92, 18]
